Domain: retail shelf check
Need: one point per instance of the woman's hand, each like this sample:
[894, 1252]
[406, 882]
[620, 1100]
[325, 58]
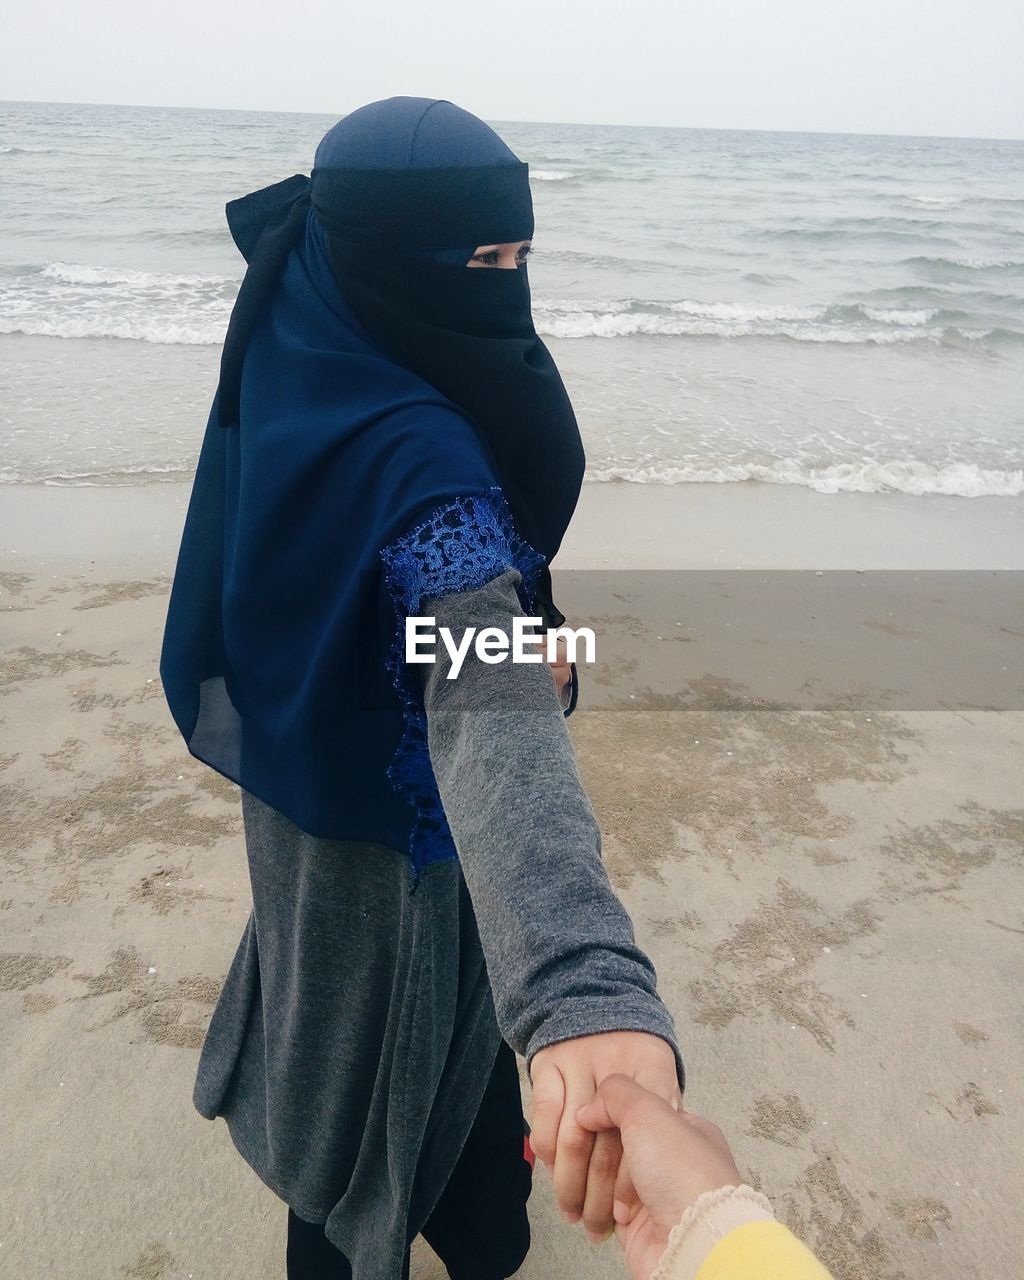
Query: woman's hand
[671, 1156]
[585, 1164]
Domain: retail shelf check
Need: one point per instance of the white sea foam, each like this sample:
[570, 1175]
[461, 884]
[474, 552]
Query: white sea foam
[907, 317]
[82, 300]
[971, 263]
[962, 479]
[987, 264]
[137, 329]
[112, 477]
[83, 273]
[816, 323]
[120, 476]
[747, 314]
[935, 202]
[550, 175]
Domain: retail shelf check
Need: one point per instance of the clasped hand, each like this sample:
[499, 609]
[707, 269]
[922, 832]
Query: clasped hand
[586, 1167]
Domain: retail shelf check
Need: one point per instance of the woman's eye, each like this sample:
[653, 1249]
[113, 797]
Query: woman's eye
[488, 259]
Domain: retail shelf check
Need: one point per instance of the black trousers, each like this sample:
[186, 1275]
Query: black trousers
[479, 1227]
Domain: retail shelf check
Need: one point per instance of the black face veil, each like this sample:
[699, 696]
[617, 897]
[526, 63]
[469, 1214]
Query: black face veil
[470, 334]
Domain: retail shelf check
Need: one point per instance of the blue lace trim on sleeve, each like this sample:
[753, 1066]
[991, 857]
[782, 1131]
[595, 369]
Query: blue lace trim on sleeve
[461, 546]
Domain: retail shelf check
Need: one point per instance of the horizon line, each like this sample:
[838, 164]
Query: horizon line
[581, 124]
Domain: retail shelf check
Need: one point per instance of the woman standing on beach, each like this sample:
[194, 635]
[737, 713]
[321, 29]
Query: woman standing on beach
[390, 438]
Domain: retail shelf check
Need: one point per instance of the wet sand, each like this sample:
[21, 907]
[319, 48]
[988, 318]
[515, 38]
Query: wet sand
[134, 530]
[831, 893]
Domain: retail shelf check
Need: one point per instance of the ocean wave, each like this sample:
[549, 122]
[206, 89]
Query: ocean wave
[744, 312]
[874, 228]
[82, 300]
[917, 296]
[1011, 201]
[138, 329]
[959, 479]
[599, 261]
[86, 300]
[966, 263]
[111, 478]
[83, 273]
[934, 202]
[836, 323]
[903, 317]
[582, 173]
[764, 278]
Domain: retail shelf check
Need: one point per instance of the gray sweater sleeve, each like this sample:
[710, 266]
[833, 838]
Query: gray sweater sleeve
[560, 950]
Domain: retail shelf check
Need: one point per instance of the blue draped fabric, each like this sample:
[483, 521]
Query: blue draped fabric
[278, 652]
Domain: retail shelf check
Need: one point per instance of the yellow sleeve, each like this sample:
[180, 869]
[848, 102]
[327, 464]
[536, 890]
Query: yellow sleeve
[761, 1251]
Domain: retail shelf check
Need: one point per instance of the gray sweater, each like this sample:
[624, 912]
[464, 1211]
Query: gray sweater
[358, 1023]
[560, 950]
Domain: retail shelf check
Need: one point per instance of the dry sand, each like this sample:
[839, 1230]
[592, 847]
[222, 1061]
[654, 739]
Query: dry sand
[832, 898]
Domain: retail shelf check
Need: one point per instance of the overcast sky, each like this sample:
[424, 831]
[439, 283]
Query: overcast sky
[949, 67]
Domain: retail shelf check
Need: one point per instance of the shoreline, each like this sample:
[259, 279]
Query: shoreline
[741, 525]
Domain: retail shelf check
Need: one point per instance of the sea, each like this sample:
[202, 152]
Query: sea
[835, 312]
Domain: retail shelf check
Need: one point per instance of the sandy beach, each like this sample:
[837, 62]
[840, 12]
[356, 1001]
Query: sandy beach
[827, 875]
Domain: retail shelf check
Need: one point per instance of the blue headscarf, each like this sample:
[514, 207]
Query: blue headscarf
[279, 660]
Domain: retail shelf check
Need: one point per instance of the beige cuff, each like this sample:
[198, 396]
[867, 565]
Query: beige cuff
[709, 1219]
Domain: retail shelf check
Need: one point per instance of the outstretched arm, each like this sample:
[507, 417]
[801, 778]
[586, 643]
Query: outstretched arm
[574, 994]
